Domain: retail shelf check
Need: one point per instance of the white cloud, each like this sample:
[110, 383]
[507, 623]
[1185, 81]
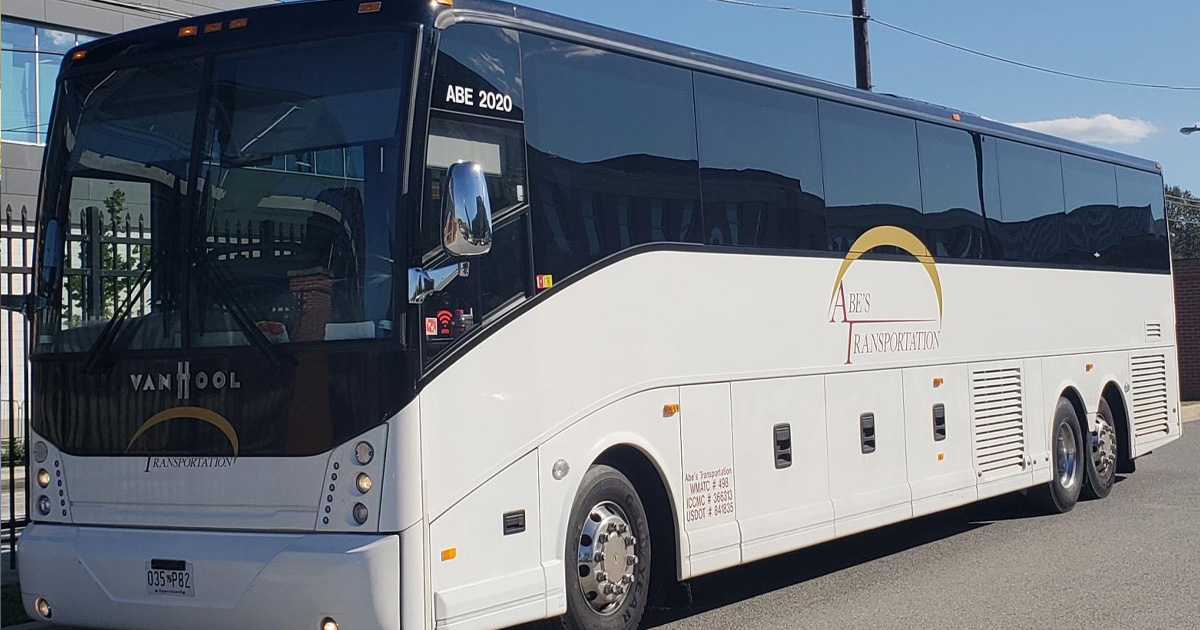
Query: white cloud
[1099, 129]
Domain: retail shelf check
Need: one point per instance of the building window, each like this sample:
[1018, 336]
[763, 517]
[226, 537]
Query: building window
[30, 56]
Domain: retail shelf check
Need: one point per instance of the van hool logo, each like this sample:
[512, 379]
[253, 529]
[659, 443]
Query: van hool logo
[872, 324]
[183, 380]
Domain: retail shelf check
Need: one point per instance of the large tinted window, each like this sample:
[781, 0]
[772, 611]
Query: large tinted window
[1143, 225]
[760, 165]
[1090, 189]
[871, 174]
[612, 153]
[951, 172]
[1033, 227]
[478, 71]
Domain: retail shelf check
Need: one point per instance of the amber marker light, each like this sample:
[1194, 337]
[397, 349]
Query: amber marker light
[369, 7]
[1088, 367]
[78, 54]
[187, 31]
[670, 409]
[956, 117]
[212, 27]
[449, 553]
[937, 381]
[445, 3]
[238, 22]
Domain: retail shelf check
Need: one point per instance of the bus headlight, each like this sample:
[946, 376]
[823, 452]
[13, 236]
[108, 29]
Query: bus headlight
[42, 607]
[329, 624]
[44, 505]
[43, 478]
[363, 483]
[360, 513]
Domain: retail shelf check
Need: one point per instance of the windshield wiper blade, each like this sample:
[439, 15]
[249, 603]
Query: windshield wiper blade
[253, 334]
[97, 357]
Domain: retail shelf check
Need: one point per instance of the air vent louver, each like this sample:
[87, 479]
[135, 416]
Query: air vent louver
[1149, 393]
[997, 406]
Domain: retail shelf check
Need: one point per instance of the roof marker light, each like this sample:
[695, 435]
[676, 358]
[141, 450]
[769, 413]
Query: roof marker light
[212, 27]
[187, 31]
[369, 7]
[78, 54]
[238, 22]
[445, 3]
[1158, 166]
[956, 116]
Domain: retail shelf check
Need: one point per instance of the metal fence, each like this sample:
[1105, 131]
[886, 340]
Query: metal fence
[16, 269]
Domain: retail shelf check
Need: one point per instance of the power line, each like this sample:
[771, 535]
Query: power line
[1061, 73]
[961, 48]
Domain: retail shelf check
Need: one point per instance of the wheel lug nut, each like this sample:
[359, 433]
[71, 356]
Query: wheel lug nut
[602, 537]
[631, 560]
[630, 541]
[627, 578]
[622, 528]
[612, 527]
[601, 576]
[610, 589]
[598, 557]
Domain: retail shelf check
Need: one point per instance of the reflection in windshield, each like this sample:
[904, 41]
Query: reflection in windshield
[284, 232]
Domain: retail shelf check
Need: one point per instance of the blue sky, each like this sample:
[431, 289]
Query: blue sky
[1150, 41]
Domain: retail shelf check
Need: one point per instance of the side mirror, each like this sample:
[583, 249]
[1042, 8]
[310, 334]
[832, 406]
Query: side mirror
[466, 211]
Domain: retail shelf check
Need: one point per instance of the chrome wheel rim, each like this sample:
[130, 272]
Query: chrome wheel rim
[1104, 450]
[607, 554]
[1066, 461]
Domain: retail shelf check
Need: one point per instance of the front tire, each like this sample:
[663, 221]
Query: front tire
[1102, 463]
[607, 555]
[1060, 494]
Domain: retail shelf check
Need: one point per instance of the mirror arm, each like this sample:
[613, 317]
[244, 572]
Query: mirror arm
[22, 304]
[422, 282]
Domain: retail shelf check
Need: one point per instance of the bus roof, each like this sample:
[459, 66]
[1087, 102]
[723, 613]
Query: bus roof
[508, 14]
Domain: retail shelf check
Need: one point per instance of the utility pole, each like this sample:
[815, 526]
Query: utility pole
[862, 47]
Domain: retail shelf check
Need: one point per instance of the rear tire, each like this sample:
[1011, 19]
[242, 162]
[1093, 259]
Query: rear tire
[607, 555]
[1102, 463]
[1061, 493]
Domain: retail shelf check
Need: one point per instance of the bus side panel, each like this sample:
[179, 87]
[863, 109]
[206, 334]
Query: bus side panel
[708, 477]
[1005, 404]
[481, 576]
[1154, 398]
[868, 476]
[782, 490]
[940, 469]
[637, 421]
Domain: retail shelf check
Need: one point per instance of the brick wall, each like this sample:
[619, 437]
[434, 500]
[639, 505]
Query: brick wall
[1187, 322]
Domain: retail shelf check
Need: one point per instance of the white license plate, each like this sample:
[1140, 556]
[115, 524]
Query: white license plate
[170, 577]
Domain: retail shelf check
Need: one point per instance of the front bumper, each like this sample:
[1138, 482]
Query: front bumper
[96, 576]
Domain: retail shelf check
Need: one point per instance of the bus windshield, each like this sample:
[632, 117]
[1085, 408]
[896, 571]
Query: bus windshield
[226, 199]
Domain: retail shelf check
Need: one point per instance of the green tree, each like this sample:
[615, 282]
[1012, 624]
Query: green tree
[1183, 220]
[113, 257]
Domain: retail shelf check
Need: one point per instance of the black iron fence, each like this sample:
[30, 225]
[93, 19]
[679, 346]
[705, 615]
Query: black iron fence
[16, 269]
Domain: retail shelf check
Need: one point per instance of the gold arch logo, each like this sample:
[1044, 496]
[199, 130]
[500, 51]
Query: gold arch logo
[888, 334]
[193, 413]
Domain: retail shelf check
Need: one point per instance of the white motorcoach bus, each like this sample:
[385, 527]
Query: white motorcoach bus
[458, 315]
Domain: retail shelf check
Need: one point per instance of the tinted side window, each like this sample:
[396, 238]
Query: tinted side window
[612, 153]
[951, 168]
[1033, 227]
[1143, 225]
[760, 165]
[1090, 188]
[871, 174]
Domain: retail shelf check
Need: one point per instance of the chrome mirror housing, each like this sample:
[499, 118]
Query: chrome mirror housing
[466, 211]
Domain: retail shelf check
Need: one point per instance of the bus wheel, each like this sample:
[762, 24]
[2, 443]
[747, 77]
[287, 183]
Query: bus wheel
[1062, 491]
[1102, 465]
[608, 554]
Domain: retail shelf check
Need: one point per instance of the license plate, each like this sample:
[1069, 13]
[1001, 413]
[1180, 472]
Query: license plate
[170, 577]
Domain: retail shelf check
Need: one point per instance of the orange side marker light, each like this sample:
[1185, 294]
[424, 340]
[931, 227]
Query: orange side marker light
[937, 381]
[369, 7]
[78, 54]
[187, 31]
[670, 409]
[238, 22]
[212, 27]
[449, 553]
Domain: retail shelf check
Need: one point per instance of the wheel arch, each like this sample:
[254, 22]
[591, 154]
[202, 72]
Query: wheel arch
[1115, 397]
[651, 484]
[1071, 394]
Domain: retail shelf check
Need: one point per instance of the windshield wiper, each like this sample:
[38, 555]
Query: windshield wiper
[253, 334]
[97, 357]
